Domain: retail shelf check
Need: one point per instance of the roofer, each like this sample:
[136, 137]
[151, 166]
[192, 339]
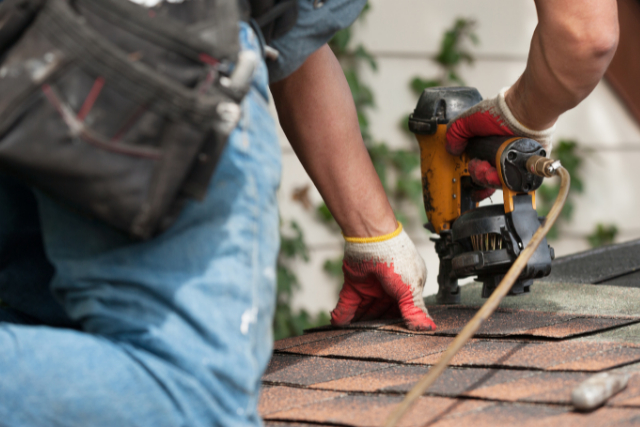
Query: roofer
[174, 329]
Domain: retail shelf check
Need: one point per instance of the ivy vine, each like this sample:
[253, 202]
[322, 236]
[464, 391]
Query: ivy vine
[288, 322]
[572, 158]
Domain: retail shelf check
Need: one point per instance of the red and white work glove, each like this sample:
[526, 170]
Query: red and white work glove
[383, 278]
[490, 117]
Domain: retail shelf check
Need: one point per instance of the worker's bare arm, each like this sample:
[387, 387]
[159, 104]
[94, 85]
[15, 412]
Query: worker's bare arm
[570, 51]
[384, 274]
[318, 116]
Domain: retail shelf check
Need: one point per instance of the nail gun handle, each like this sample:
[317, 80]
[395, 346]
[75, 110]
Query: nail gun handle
[486, 148]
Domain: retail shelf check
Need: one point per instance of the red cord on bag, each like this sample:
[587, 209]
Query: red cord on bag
[91, 98]
[208, 59]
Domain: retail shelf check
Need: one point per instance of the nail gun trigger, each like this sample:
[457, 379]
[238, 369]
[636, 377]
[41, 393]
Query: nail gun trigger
[509, 240]
[429, 226]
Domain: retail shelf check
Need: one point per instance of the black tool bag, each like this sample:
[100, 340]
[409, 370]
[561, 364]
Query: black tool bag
[118, 110]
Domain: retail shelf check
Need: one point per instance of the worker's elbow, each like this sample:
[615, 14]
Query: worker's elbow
[594, 42]
[602, 46]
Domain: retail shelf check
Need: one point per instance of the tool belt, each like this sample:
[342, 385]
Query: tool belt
[120, 111]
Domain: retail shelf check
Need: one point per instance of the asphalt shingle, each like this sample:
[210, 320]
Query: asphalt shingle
[502, 414]
[579, 326]
[457, 382]
[277, 398]
[360, 345]
[375, 345]
[517, 323]
[376, 381]
[599, 361]
[557, 356]
[305, 371]
[630, 396]
[539, 387]
[308, 338]
[597, 265]
[365, 411]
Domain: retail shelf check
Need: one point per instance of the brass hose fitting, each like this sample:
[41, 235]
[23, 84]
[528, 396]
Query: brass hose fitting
[543, 166]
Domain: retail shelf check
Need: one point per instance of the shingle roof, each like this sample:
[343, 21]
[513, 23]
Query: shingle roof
[519, 369]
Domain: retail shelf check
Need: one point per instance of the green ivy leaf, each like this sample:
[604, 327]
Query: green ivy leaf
[286, 322]
[602, 235]
[324, 213]
[363, 121]
[405, 161]
[333, 267]
[567, 210]
[294, 246]
[577, 184]
[401, 217]
[456, 79]
[452, 51]
[287, 283]
[553, 232]
[404, 125]
[340, 41]
[379, 154]
[409, 188]
[363, 54]
[418, 84]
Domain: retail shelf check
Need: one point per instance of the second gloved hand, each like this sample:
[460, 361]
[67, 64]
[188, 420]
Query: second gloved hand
[491, 117]
[383, 278]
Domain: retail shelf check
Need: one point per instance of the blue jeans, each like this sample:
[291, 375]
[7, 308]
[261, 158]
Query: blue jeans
[175, 331]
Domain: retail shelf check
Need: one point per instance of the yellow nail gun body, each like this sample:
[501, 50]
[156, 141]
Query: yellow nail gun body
[476, 241]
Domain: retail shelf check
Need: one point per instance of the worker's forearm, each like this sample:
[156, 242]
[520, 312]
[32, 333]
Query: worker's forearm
[571, 49]
[317, 113]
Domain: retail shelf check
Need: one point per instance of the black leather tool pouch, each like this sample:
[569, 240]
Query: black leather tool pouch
[121, 111]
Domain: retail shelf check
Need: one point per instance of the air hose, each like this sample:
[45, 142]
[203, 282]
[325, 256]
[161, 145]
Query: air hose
[539, 166]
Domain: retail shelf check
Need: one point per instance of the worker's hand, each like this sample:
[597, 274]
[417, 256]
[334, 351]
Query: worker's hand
[383, 278]
[491, 117]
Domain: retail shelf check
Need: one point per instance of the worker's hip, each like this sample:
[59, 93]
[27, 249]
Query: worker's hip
[193, 305]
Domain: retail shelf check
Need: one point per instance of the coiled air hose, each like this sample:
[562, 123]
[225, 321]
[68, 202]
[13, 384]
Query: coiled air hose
[539, 166]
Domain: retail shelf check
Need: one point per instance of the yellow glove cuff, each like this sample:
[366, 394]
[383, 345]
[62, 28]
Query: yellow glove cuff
[374, 239]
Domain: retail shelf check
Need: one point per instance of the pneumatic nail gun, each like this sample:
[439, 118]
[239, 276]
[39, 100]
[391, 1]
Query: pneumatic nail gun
[477, 241]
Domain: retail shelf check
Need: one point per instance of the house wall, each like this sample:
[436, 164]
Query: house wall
[403, 35]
